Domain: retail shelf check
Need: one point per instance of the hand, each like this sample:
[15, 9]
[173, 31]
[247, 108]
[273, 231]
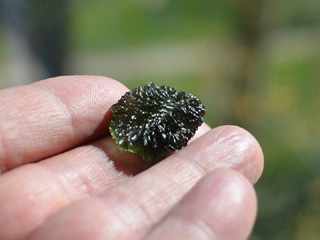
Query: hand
[64, 178]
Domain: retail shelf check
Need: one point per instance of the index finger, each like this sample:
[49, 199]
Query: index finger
[51, 116]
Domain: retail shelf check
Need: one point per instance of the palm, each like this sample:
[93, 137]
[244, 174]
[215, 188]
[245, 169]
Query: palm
[79, 186]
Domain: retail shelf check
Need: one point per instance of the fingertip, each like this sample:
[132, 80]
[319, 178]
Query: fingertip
[222, 205]
[230, 205]
[255, 159]
[203, 129]
[82, 84]
[54, 115]
[228, 147]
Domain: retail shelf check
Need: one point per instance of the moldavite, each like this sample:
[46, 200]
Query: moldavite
[152, 120]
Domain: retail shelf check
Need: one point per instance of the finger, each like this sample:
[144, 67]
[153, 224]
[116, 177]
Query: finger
[141, 201]
[30, 193]
[52, 116]
[203, 129]
[221, 206]
[156, 190]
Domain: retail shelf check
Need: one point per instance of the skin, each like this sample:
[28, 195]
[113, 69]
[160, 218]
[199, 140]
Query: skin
[62, 176]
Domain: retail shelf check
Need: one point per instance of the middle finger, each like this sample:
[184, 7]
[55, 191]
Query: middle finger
[30, 193]
[128, 210]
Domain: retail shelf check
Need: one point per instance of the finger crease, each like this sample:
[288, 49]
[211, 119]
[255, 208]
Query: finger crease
[64, 107]
[59, 183]
[195, 222]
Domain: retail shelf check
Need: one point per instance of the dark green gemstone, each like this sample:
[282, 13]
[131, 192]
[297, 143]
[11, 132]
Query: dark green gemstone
[153, 120]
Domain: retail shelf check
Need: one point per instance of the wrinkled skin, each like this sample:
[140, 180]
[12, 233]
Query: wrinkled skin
[62, 176]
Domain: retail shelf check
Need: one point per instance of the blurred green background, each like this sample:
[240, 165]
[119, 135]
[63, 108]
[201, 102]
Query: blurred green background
[253, 63]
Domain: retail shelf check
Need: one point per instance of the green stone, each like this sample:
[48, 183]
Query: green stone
[152, 121]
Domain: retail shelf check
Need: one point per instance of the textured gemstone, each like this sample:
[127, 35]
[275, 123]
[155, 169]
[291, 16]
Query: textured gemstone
[152, 120]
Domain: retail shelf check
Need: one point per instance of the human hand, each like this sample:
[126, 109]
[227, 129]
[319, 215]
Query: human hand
[64, 178]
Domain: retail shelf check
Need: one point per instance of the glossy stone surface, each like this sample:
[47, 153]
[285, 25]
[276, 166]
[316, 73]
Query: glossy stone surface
[152, 120]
